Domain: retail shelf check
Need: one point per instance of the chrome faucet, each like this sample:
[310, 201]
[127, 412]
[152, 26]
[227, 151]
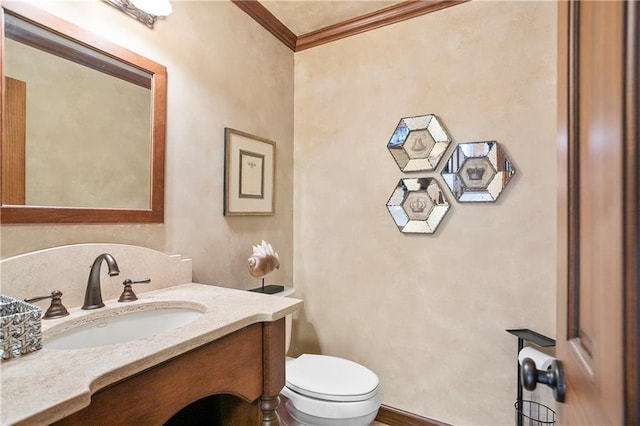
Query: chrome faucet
[93, 294]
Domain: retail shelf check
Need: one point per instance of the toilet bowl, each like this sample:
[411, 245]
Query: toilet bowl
[324, 390]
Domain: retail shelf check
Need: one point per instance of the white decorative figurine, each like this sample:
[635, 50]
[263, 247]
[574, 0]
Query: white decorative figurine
[263, 261]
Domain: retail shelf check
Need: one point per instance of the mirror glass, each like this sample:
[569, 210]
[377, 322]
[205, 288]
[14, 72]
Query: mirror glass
[477, 171]
[417, 206]
[83, 127]
[418, 143]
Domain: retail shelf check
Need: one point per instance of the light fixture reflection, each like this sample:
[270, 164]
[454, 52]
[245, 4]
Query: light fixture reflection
[145, 11]
[154, 7]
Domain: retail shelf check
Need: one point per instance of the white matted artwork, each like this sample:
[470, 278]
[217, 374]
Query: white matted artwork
[249, 171]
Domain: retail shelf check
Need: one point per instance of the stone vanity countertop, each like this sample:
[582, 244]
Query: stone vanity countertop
[49, 384]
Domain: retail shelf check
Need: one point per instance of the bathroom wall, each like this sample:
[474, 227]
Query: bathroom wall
[428, 313]
[224, 70]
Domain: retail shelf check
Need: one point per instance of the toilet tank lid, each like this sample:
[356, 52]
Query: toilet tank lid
[331, 378]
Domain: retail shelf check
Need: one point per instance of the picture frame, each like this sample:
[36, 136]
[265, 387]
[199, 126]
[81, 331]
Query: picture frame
[249, 174]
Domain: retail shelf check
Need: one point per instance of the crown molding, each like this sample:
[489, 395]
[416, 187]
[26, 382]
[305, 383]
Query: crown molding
[380, 18]
[389, 15]
[262, 16]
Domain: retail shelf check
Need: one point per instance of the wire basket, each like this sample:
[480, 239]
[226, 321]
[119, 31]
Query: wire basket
[534, 414]
[20, 327]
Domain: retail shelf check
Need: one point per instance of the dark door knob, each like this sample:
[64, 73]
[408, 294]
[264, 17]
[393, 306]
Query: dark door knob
[553, 377]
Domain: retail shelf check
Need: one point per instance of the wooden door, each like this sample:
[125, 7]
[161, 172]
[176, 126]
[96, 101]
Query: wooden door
[13, 142]
[598, 326]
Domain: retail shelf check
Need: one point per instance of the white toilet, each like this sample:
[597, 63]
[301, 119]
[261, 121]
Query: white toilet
[324, 390]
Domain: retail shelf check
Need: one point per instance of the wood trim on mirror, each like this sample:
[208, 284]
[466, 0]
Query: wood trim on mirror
[14, 214]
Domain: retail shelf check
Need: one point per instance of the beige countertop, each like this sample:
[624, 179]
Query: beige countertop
[49, 384]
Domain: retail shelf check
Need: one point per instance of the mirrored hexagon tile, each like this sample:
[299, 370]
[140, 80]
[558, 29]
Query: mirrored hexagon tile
[418, 143]
[477, 171]
[418, 205]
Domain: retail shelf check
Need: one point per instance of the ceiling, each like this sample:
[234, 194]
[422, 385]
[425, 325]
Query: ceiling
[305, 16]
[302, 24]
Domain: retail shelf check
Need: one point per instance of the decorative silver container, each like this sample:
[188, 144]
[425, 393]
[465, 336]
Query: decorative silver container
[20, 327]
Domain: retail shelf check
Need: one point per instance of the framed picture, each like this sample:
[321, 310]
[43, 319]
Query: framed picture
[249, 170]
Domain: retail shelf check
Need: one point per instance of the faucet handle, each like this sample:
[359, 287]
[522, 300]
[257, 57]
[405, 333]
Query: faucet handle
[127, 294]
[56, 309]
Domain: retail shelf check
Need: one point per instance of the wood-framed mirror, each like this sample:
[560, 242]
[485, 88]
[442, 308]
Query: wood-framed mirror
[87, 146]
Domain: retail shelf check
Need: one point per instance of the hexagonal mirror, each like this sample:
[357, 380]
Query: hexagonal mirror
[418, 143]
[477, 171]
[418, 205]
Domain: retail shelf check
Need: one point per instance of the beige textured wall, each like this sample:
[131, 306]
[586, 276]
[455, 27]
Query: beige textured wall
[428, 313]
[223, 70]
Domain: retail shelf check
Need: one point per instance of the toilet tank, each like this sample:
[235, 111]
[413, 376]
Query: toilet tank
[287, 292]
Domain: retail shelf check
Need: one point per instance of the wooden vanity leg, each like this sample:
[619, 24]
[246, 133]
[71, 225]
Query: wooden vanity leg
[273, 362]
[269, 415]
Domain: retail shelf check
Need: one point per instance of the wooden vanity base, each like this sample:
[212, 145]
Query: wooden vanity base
[244, 370]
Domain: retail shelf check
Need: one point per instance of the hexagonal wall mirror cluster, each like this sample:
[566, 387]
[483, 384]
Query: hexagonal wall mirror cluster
[474, 172]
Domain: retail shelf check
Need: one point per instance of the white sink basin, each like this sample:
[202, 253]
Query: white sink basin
[120, 328]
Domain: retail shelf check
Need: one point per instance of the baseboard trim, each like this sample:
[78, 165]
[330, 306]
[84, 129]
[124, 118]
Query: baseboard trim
[396, 417]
